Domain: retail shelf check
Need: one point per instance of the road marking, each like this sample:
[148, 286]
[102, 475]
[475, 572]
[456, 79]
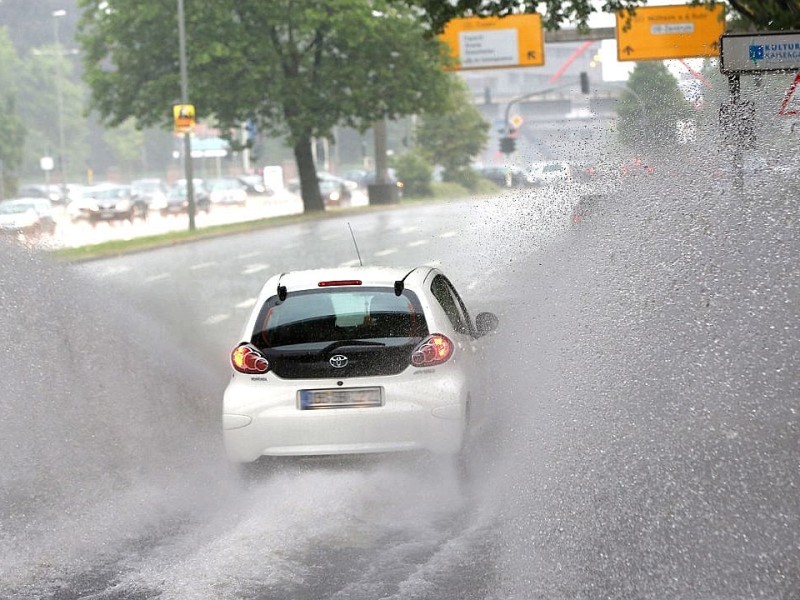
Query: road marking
[204, 265]
[249, 303]
[249, 255]
[331, 237]
[448, 234]
[409, 229]
[216, 319]
[350, 263]
[472, 285]
[418, 243]
[158, 277]
[386, 252]
[251, 269]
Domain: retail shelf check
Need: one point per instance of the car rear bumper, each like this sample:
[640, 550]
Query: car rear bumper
[263, 418]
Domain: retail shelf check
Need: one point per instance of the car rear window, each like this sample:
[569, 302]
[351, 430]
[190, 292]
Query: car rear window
[328, 315]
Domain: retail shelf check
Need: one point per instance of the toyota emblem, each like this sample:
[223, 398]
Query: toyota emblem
[338, 361]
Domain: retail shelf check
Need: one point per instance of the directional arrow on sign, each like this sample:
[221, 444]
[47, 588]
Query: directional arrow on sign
[714, 45]
[627, 50]
[531, 55]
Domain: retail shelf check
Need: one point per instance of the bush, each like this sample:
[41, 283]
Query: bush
[464, 177]
[415, 172]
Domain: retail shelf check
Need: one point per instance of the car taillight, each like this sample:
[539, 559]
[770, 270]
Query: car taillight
[247, 359]
[434, 350]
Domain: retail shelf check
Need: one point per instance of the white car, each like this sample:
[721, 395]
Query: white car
[28, 216]
[227, 190]
[549, 173]
[354, 360]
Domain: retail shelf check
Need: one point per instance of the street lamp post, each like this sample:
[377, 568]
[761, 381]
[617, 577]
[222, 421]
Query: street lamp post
[187, 136]
[57, 14]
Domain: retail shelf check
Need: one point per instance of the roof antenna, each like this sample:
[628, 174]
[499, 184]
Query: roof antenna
[355, 244]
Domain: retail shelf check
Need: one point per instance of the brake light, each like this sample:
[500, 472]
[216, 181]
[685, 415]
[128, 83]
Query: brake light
[433, 350]
[246, 358]
[341, 282]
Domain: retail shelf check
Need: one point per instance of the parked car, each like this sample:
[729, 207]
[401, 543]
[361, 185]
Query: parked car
[107, 202]
[28, 216]
[334, 193]
[359, 176]
[549, 173]
[254, 185]
[226, 190]
[57, 194]
[391, 175]
[329, 363]
[152, 192]
[177, 200]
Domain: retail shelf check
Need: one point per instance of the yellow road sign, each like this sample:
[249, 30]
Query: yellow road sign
[495, 42]
[675, 31]
[183, 115]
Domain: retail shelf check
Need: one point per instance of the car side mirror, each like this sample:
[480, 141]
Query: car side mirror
[486, 323]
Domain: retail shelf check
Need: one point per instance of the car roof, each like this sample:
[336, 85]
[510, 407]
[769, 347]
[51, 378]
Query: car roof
[369, 276]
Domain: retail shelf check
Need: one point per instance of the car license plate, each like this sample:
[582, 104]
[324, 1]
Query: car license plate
[341, 398]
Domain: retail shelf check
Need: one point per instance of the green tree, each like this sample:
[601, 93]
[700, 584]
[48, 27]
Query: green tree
[47, 72]
[127, 143]
[454, 135]
[651, 105]
[12, 132]
[297, 67]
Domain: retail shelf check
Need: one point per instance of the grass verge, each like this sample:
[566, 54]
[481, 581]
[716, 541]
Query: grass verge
[441, 192]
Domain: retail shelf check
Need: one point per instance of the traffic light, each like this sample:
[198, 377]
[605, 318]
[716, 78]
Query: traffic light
[507, 145]
[584, 82]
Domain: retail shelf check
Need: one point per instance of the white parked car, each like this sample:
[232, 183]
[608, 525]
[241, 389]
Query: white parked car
[549, 173]
[354, 360]
[227, 190]
[27, 216]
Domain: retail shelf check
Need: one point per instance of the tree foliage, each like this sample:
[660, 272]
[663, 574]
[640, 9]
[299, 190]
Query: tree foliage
[12, 132]
[454, 136]
[46, 73]
[757, 14]
[296, 67]
[774, 15]
[651, 106]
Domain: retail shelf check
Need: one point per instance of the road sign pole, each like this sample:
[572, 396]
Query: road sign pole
[735, 87]
[187, 136]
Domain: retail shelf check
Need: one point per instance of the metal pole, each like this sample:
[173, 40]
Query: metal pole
[187, 137]
[527, 97]
[57, 14]
[734, 85]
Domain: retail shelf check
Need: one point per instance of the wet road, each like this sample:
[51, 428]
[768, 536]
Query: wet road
[642, 439]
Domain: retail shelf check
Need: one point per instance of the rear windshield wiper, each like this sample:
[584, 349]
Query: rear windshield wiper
[340, 343]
